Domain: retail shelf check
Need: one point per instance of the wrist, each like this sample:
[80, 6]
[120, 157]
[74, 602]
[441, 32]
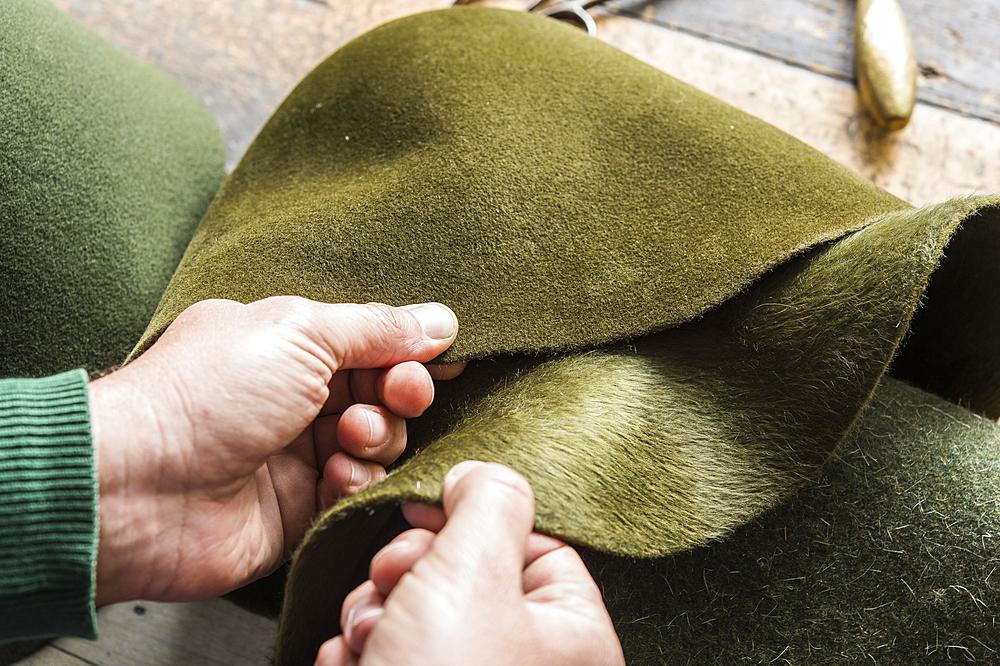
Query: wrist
[127, 441]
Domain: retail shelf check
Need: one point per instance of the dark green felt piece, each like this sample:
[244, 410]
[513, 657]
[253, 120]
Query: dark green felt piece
[562, 196]
[106, 166]
[891, 557]
[891, 553]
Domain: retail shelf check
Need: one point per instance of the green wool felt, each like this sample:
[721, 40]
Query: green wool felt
[591, 197]
[677, 311]
[891, 553]
[890, 557]
[106, 166]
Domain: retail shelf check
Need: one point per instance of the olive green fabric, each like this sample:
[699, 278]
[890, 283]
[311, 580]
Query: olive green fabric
[891, 555]
[676, 439]
[106, 166]
[590, 196]
[676, 311]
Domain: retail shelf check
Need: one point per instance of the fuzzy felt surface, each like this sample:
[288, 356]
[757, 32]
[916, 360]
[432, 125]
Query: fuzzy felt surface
[588, 196]
[677, 439]
[106, 166]
[892, 555]
[676, 312]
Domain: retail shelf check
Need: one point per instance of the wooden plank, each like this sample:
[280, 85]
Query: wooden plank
[938, 156]
[155, 634]
[53, 656]
[956, 42]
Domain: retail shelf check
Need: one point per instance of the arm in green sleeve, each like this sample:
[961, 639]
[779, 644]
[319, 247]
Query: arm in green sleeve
[48, 508]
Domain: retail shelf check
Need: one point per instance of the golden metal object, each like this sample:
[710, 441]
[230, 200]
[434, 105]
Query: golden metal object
[885, 63]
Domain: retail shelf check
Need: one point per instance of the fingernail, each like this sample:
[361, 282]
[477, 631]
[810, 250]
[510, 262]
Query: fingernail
[359, 614]
[437, 321]
[378, 432]
[359, 474]
[460, 470]
[391, 548]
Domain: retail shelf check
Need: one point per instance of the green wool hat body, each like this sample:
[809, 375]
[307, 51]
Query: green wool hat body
[106, 166]
[676, 313]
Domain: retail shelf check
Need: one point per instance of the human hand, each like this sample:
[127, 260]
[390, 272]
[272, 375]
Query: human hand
[216, 447]
[472, 584]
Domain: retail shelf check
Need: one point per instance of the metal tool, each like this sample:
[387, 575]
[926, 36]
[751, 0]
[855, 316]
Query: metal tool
[884, 58]
[885, 63]
[571, 11]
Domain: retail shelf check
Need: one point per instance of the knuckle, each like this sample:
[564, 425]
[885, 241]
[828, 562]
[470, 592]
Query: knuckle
[394, 322]
[285, 307]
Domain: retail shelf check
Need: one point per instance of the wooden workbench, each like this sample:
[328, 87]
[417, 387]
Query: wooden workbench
[787, 61]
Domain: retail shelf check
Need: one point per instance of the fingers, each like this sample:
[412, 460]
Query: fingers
[335, 652]
[490, 512]
[371, 433]
[364, 606]
[379, 336]
[361, 611]
[446, 371]
[352, 449]
[432, 519]
[424, 516]
[397, 558]
[556, 570]
[407, 389]
[343, 476]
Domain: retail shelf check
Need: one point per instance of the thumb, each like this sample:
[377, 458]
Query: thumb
[490, 512]
[379, 336]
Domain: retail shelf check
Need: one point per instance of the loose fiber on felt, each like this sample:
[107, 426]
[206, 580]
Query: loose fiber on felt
[106, 166]
[677, 312]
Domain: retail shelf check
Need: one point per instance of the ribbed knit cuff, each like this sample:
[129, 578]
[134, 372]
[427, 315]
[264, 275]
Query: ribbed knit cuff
[48, 508]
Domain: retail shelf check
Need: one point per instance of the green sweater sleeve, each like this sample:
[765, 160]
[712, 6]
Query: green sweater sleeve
[48, 508]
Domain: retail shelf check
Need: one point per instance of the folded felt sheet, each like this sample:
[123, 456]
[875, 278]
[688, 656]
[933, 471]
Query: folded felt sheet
[678, 312]
[561, 197]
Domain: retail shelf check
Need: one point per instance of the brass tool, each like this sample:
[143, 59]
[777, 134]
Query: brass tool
[885, 63]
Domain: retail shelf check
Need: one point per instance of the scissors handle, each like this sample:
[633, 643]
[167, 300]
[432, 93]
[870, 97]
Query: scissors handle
[572, 11]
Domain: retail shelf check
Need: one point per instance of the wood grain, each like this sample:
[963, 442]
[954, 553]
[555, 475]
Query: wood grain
[207, 633]
[938, 156]
[241, 57]
[956, 42]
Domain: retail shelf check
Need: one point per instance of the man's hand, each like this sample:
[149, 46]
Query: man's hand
[473, 585]
[218, 445]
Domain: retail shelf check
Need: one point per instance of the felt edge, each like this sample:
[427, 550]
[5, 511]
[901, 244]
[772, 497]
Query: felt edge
[380, 501]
